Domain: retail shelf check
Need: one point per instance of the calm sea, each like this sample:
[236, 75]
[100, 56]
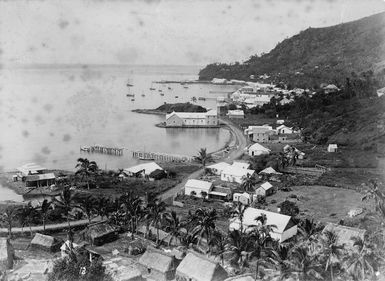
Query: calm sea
[47, 113]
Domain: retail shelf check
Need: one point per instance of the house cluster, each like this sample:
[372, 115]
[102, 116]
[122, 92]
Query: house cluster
[280, 133]
[192, 119]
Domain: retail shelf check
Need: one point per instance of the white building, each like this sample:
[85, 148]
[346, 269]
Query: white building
[192, 119]
[332, 147]
[219, 81]
[244, 198]
[238, 113]
[217, 168]
[144, 169]
[235, 174]
[257, 149]
[264, 189]
[197, 186]
[285, 227]
[283, 129]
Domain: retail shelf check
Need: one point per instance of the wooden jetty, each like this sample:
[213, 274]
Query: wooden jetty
[103, 149]
[161, 157]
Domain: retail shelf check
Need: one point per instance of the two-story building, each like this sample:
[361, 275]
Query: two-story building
[192, 119]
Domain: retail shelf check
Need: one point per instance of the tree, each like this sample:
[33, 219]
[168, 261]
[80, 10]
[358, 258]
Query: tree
[66, 201]
[174, 225]
[238, 212]
[132, 208]
[304, 264]
[239, 245]
[204, 223]
[279, 258]
[289, 208]
[217, 244]
[9, 215]
[86, 168]
[308, 229]
[27, 214]
[43, 208]
[87, 204]
[248, 182]
[156, 214]
[362, 263]
[332, 251]
[203, 157]
[102, 206]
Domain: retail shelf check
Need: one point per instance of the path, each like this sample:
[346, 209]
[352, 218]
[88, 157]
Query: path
[240, 143]
[55, 226]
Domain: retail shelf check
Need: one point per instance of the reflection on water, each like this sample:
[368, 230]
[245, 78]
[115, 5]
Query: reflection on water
[49, 113]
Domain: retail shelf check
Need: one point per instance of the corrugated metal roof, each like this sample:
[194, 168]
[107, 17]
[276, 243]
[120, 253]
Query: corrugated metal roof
[205, 185]
[39, 177]
[147, 167]
[31, 167]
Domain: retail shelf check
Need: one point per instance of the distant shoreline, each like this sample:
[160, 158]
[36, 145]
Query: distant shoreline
[149, 111]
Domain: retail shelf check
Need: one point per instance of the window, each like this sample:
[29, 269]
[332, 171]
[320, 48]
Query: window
[148, 270]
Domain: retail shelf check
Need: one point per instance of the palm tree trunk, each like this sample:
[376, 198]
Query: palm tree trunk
[331, 272]
[43, 224]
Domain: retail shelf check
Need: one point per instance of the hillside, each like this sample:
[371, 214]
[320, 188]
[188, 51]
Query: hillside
[315, 55]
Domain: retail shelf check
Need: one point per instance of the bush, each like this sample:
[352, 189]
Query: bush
[79, 268]
[289, 208]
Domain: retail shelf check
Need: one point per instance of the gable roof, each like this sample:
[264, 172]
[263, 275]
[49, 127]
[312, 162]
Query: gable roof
[283, 126]
[157, 259]
[99, 230]
[266, 185]
[30, 167]
[147, 167]
[219, 166]
[241, 164]
[345, 233]
[270, 170]
[259, 147]
[279, 220]
[204, 185]
[236, 171]
[192, 115]
[198, 267]
[39, 177]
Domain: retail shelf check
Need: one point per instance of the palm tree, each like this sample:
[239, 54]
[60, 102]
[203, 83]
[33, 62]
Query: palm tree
[8, 217]
[157, 214]
[43, 208]
[132, 208]
[204, 222]
[175, 225]
[87, 204]
[248, 182]
[279, 258]
[86, 168]
[238, 212]
[332, 251]
[363, 261]
[102, 206]
[217, 244]
[66, 201]
[239, 245]
[27, 215]
[308, 229]
[203, 157]
[304, 264]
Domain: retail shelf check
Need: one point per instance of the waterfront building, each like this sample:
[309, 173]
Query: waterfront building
[192, 119]
[35, 175]
[142, 170]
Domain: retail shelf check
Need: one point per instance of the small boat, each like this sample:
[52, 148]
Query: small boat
[130, 95]
[159, 90]
[132, 99]
[129, 85]
[201, 98]
[176, 97]
[161, 94]
[169, 88]
[146, 159]
[143, 95]
[186, 87]
[152, 89]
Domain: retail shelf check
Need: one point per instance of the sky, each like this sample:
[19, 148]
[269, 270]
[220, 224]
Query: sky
[160, 32]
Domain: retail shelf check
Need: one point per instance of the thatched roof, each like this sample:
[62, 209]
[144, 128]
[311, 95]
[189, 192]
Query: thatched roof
[345, 233]
[197, 267]
[45, 242]
[99, 230]
[157, 260]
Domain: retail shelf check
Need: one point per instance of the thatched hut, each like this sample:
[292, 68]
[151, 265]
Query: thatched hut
[209, 270]
[7, 254]
[45, 242]
[157, 265]
[100, 233]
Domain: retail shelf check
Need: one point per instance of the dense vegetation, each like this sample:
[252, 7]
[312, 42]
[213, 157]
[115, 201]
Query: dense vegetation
[180, 107]
[316, 55]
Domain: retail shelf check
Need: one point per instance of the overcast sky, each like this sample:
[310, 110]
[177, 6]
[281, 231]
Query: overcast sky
[181, 32]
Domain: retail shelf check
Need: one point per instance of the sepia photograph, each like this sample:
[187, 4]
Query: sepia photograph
[192, 140]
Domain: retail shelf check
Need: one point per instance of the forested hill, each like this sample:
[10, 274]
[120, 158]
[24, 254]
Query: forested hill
[316, 55]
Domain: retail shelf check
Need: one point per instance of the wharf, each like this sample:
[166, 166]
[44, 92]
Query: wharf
[102, 149]
[161, 157]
